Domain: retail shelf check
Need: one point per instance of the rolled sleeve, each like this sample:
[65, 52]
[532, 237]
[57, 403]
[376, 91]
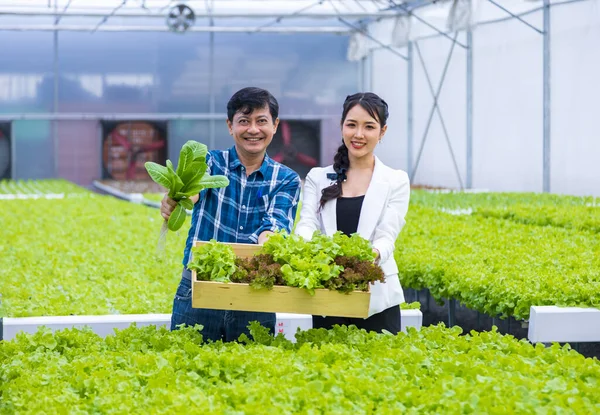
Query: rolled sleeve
[282, 209]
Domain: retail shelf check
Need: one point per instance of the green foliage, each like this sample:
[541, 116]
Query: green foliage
[188, 181]
[580, 213]
[154, 197]
[340, 371]
[415, 305]
[578, 218]
[83, 254]
[340, 263]
[354, 246]
[260, 271]
[305, 264]
[86, 255]
[356, 274]
[41, 187]
[464, 200]
[213, 261]
[497, 266]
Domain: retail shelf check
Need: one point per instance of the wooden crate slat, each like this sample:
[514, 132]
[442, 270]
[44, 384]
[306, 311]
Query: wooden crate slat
[281, 299]
[240, 250]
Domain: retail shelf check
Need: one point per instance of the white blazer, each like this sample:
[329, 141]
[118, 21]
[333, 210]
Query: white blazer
[382, 217]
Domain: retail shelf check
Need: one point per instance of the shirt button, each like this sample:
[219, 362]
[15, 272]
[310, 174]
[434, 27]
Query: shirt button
[241, 228]
[243, 206]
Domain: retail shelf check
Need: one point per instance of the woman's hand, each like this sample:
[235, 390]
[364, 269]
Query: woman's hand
[378, 257]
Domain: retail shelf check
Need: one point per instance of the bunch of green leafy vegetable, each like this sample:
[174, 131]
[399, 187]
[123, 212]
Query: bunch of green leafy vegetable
[342, 263]
[304, 264]
[213, 262]
[189, 180]
[354, 246]
[339, 263]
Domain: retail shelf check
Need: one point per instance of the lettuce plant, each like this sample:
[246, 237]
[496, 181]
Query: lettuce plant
[188, 180]
[340, 263]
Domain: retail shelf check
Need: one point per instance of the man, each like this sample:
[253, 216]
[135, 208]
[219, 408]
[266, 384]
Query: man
[262, 197]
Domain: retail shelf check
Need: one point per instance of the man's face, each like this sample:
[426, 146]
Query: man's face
[253, 132]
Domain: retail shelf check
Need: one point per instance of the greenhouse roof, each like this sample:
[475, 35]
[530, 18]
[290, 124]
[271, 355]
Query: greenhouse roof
[415, 18]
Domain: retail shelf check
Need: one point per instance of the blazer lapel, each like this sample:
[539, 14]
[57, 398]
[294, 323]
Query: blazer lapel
[374, 202]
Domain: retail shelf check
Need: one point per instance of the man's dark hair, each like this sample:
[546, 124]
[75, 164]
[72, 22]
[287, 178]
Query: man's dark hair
[247, 100]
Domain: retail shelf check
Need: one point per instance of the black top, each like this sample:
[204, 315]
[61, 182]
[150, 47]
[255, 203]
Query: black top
[348, 213]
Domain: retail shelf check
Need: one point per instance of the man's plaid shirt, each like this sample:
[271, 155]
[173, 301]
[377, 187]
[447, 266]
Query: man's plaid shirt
[266, 200]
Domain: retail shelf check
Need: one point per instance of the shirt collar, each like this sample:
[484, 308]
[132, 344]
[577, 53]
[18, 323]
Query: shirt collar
[235, 162]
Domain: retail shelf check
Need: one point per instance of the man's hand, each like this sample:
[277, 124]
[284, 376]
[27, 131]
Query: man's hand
[262, 238]
[167, 206]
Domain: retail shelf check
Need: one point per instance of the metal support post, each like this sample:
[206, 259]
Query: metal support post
[409, 109]
[469, 109]
[55, 92]
[547, 102]
[211, 77]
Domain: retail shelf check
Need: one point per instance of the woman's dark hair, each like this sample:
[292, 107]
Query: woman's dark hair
[378, 109]
[247, 100]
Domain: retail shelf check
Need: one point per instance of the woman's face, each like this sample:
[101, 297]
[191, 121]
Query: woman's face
[361, 132]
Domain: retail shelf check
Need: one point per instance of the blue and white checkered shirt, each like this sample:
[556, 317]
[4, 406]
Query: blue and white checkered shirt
[266, 200]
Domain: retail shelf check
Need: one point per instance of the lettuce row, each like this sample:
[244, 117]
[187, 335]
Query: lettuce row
[47, 186]
[580, 213]
[496, 266]
[343, 370]
[84, 256]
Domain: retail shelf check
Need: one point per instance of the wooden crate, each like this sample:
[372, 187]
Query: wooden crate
[281, 299]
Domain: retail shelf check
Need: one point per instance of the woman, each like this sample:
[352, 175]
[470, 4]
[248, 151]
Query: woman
[360, 194]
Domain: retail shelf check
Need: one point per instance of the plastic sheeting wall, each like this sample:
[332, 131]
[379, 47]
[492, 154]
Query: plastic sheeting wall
[115, 73]
[34, 149]
[575, 105]
[133, 72]
[507, 105]
[77, 151]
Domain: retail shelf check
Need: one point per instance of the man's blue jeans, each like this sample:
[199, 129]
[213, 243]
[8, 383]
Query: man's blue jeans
[218, 324]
